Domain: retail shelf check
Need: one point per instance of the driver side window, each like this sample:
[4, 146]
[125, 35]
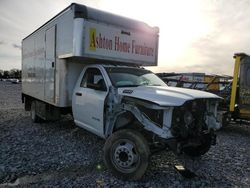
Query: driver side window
[93, 77]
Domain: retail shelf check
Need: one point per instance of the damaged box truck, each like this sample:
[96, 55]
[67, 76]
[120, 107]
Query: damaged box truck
[90, 63]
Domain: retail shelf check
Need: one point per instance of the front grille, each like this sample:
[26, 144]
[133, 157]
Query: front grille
[180, 128]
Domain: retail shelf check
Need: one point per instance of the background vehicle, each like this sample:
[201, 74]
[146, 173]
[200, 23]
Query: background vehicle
[234, 90]
[88, 62]
[240, 92]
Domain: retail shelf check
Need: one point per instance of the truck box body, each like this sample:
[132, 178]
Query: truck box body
[54, 55]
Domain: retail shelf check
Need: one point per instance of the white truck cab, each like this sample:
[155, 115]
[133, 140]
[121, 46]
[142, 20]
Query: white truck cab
[116, 101]
[90, 63]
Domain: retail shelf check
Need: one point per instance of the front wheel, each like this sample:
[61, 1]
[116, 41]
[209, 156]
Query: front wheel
[126, 154]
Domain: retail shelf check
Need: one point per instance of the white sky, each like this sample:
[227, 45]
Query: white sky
[195, 35]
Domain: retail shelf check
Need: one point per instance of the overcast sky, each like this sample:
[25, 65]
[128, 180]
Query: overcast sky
[195, 35]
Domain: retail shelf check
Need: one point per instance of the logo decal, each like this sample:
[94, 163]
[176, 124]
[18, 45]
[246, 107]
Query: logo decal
[92, 36]
[128, 91]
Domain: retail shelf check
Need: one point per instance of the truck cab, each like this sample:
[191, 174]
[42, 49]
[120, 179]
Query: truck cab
[134, 109]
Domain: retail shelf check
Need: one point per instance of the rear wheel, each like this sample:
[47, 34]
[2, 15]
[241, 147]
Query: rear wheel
[126, 154]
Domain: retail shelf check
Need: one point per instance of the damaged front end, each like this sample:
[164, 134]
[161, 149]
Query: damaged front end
[185, 129]
[142, 127]
[193, 126]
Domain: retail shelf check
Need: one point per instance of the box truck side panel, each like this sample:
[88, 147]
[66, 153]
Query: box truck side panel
[33, 56]
[64, 36]
[39, 58]
[50, 45]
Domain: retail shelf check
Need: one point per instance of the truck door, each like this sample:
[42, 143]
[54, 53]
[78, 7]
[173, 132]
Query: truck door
[88, 101]
[244, 87]
[50, 52]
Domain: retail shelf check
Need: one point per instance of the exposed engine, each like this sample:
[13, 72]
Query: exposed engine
[190, 127]
[189, 119]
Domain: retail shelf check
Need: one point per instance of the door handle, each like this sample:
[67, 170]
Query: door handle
[78, 94]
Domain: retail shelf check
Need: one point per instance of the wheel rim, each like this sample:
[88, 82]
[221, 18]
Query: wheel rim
[125, 156]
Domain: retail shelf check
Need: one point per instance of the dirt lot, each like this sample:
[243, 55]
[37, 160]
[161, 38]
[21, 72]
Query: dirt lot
[59, 154]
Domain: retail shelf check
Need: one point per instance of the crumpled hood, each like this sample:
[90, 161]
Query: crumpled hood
[165, 95]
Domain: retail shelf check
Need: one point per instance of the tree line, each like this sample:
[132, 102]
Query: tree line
[13, 73]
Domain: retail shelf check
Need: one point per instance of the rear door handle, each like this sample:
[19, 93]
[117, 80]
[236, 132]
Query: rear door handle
[78, 94]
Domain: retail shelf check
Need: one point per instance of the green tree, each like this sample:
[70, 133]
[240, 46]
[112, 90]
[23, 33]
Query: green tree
[15, 73]
[6, 74]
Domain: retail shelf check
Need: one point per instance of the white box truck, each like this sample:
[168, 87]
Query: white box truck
[89, 63]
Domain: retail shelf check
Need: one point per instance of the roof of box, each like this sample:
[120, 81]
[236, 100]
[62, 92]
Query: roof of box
[82, 11]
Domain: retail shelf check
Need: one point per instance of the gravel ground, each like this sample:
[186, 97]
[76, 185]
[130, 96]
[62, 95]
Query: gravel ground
[59, 154]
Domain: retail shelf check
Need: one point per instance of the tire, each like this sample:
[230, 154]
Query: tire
[33, 114]
[126, 154]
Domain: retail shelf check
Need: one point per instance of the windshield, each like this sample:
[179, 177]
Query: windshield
[133, 77]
